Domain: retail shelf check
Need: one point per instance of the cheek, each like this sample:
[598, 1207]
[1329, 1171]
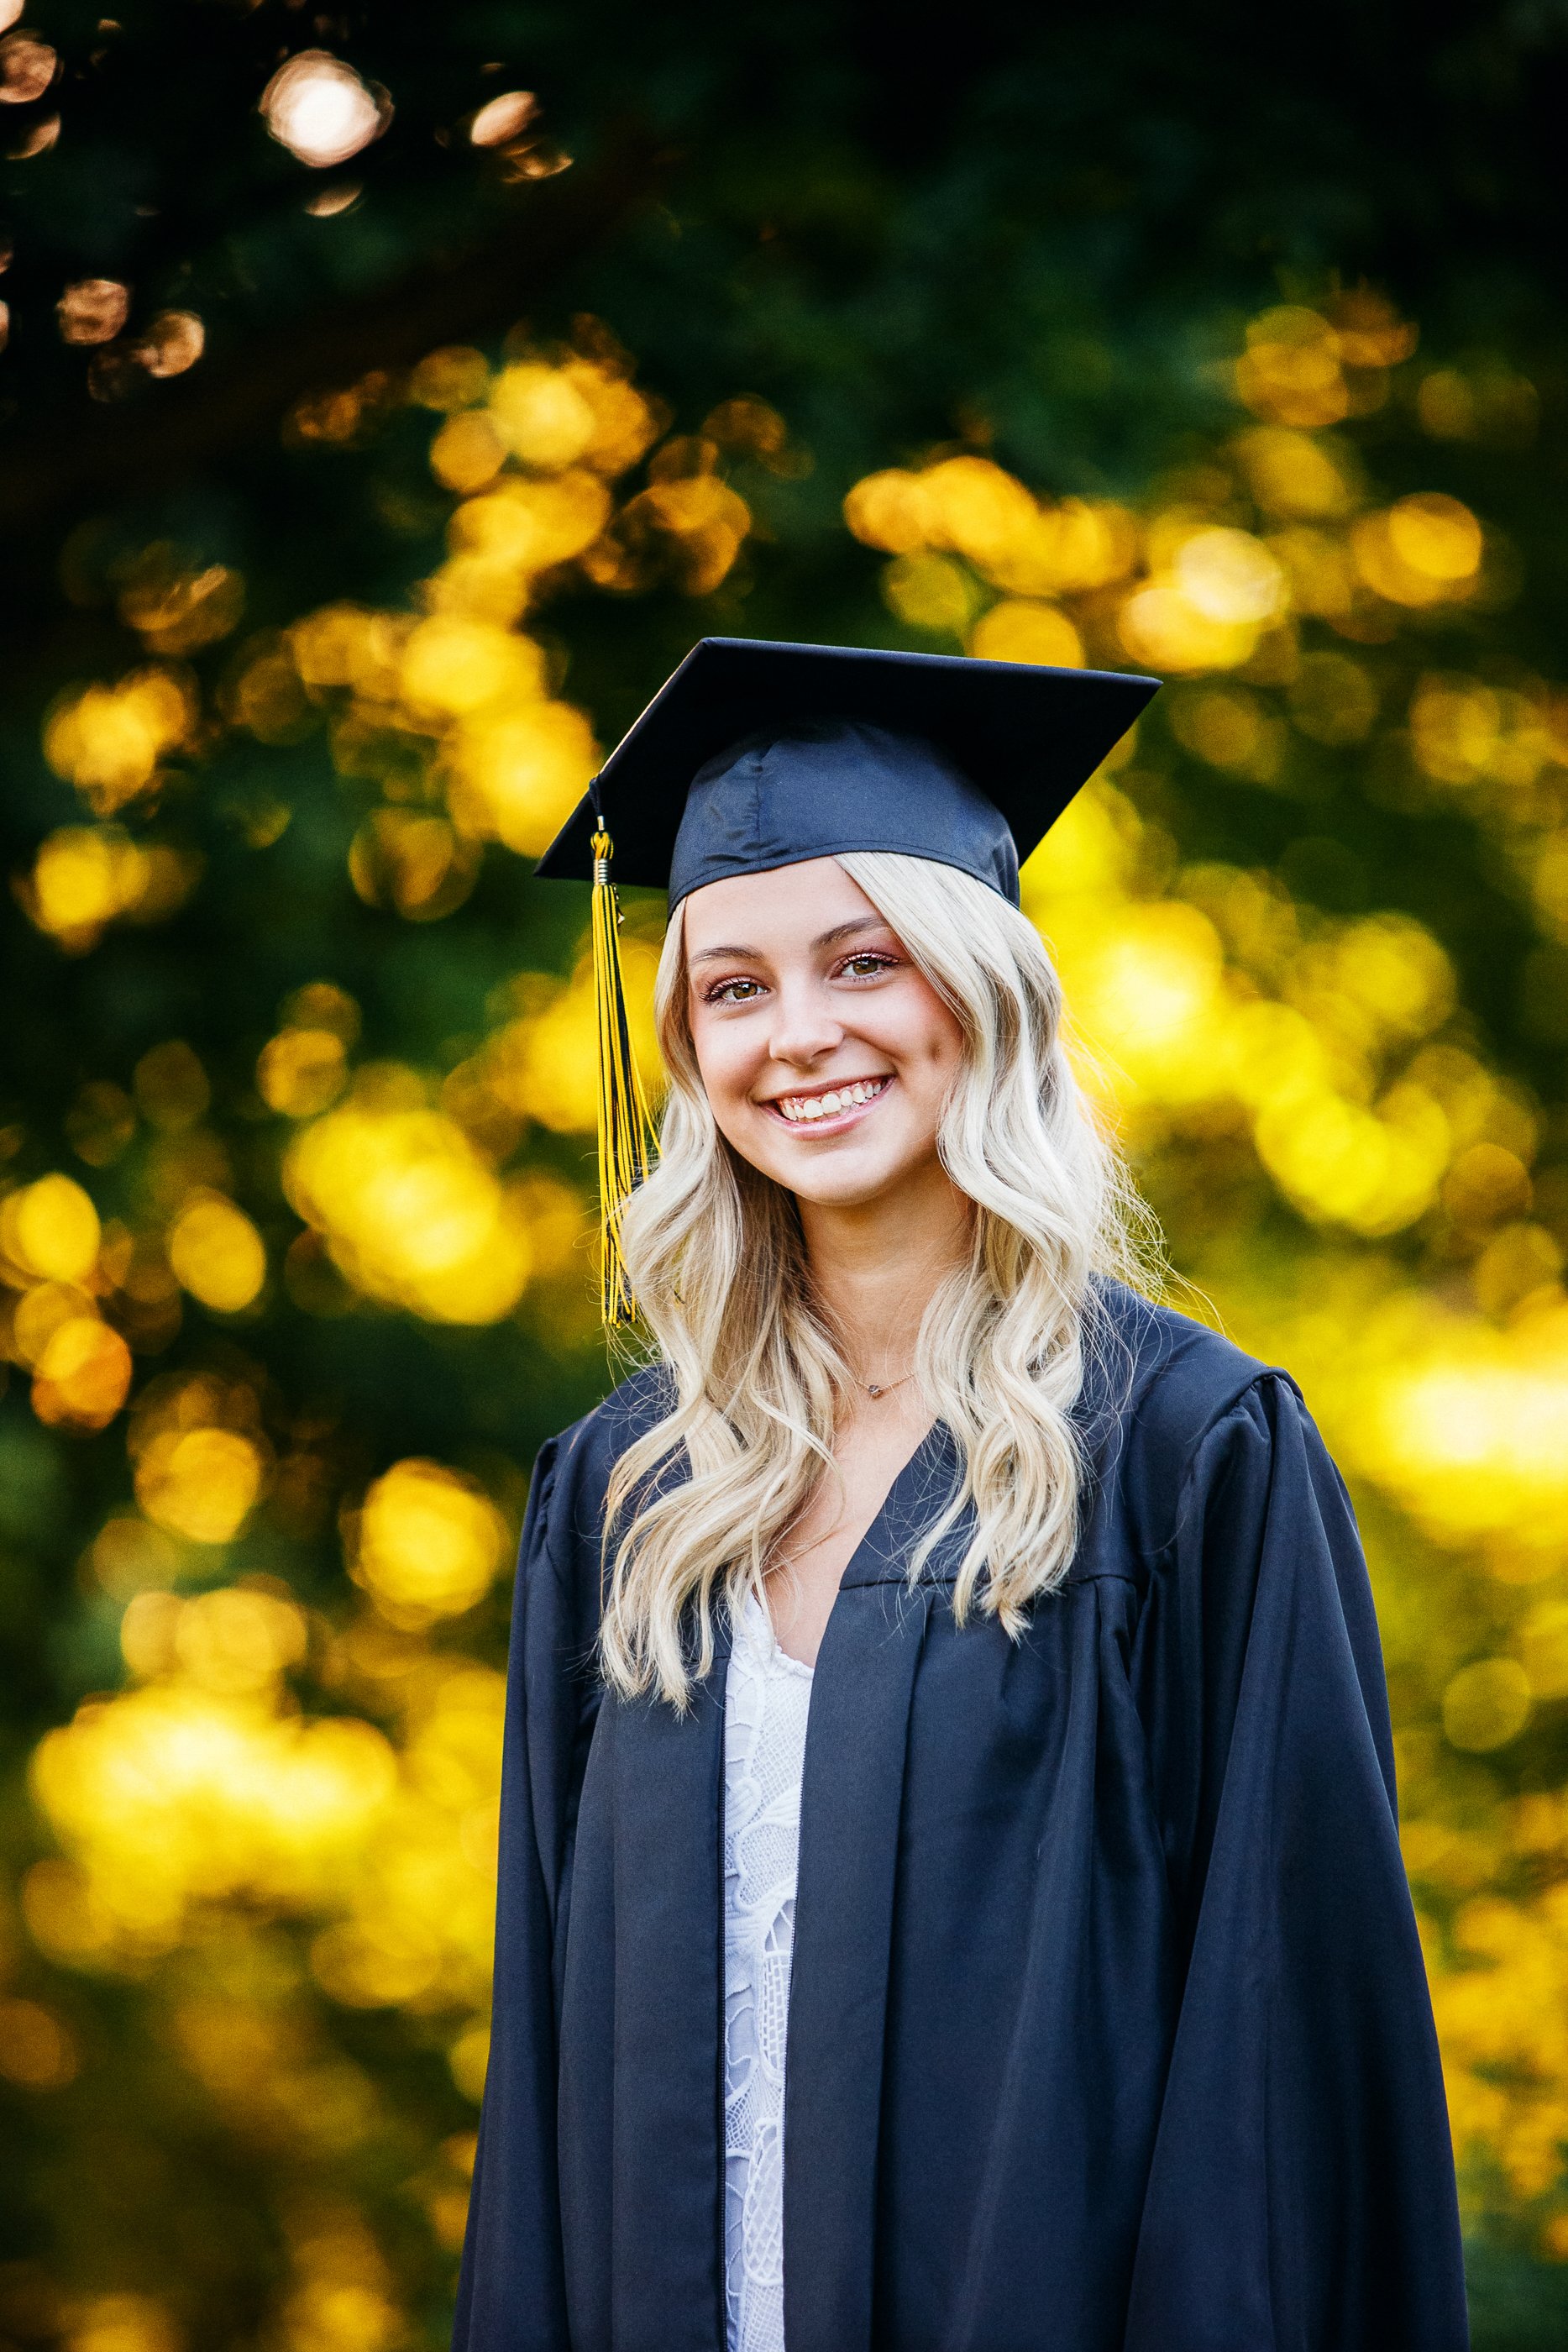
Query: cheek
[946, 1038]
[724, 1063]
[930, 1041]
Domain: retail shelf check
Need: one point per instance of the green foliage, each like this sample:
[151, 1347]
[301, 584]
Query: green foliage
[241, 2014]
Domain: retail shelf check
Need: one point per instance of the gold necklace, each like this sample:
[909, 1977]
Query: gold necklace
[882, 1388]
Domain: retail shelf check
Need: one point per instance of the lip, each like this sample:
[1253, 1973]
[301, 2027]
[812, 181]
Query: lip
[841, 1120]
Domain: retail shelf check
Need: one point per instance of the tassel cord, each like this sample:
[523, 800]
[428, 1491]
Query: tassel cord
[627, 1142]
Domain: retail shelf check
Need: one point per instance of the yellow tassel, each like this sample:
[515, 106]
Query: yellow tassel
[627, 1143]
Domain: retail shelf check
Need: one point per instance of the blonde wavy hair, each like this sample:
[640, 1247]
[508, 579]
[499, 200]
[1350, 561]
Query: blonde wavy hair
[701, 1503]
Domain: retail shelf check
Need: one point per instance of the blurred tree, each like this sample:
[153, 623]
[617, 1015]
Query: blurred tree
[1227, 348]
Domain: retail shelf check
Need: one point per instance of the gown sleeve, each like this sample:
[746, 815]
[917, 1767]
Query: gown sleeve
[1302, 2194]
[511, 2295]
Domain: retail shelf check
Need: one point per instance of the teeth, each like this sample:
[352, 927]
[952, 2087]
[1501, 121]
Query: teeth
[806, 1108]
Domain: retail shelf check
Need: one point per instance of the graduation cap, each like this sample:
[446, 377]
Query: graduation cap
[757, 755]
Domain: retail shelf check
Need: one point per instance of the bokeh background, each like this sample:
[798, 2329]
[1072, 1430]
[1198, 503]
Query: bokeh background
[392, 397]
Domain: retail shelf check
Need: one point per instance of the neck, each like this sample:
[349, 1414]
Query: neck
[876, 1264]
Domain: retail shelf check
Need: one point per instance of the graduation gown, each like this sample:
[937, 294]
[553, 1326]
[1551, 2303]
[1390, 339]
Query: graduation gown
[1109, 2029]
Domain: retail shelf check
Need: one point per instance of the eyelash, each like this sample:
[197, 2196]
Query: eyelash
[877, 956]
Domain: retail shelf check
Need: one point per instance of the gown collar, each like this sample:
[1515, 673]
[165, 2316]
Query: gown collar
[668, 2293]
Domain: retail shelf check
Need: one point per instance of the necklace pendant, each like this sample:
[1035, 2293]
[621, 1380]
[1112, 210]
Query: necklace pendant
[872, 1390]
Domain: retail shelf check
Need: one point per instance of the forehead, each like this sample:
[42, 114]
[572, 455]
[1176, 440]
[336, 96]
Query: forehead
[789, 907]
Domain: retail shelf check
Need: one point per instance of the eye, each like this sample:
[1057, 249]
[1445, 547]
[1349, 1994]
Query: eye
[732, 992]
[869, 963]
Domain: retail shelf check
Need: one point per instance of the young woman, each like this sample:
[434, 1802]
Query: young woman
[949, 1891]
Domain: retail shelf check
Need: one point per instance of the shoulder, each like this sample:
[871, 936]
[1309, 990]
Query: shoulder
[1158, 1385]
[572, 1472]
[628, 1412]
[1167, 1371]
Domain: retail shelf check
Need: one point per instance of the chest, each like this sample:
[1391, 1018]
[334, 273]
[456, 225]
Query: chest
[871, 1450]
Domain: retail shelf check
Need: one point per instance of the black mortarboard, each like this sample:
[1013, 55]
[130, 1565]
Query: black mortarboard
[757, 755]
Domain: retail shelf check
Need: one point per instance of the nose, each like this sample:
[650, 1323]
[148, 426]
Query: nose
[804, 1027]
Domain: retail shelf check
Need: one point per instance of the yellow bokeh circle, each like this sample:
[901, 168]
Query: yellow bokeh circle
[52, 1229]
[217, 1254]
[199, 1482]
[83, 1376]
[430, 1542]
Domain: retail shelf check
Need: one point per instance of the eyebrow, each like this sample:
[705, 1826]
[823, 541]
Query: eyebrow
[823, 940]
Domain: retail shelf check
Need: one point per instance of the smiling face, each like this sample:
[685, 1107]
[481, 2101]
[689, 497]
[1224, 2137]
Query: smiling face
[825, 1054]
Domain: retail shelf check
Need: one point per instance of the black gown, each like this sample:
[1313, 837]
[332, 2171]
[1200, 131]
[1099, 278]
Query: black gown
[1109, 2029]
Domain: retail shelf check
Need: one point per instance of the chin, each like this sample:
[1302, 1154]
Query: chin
[839, 1188]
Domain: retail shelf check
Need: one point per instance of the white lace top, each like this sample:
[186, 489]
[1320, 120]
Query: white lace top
[767, 1695]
